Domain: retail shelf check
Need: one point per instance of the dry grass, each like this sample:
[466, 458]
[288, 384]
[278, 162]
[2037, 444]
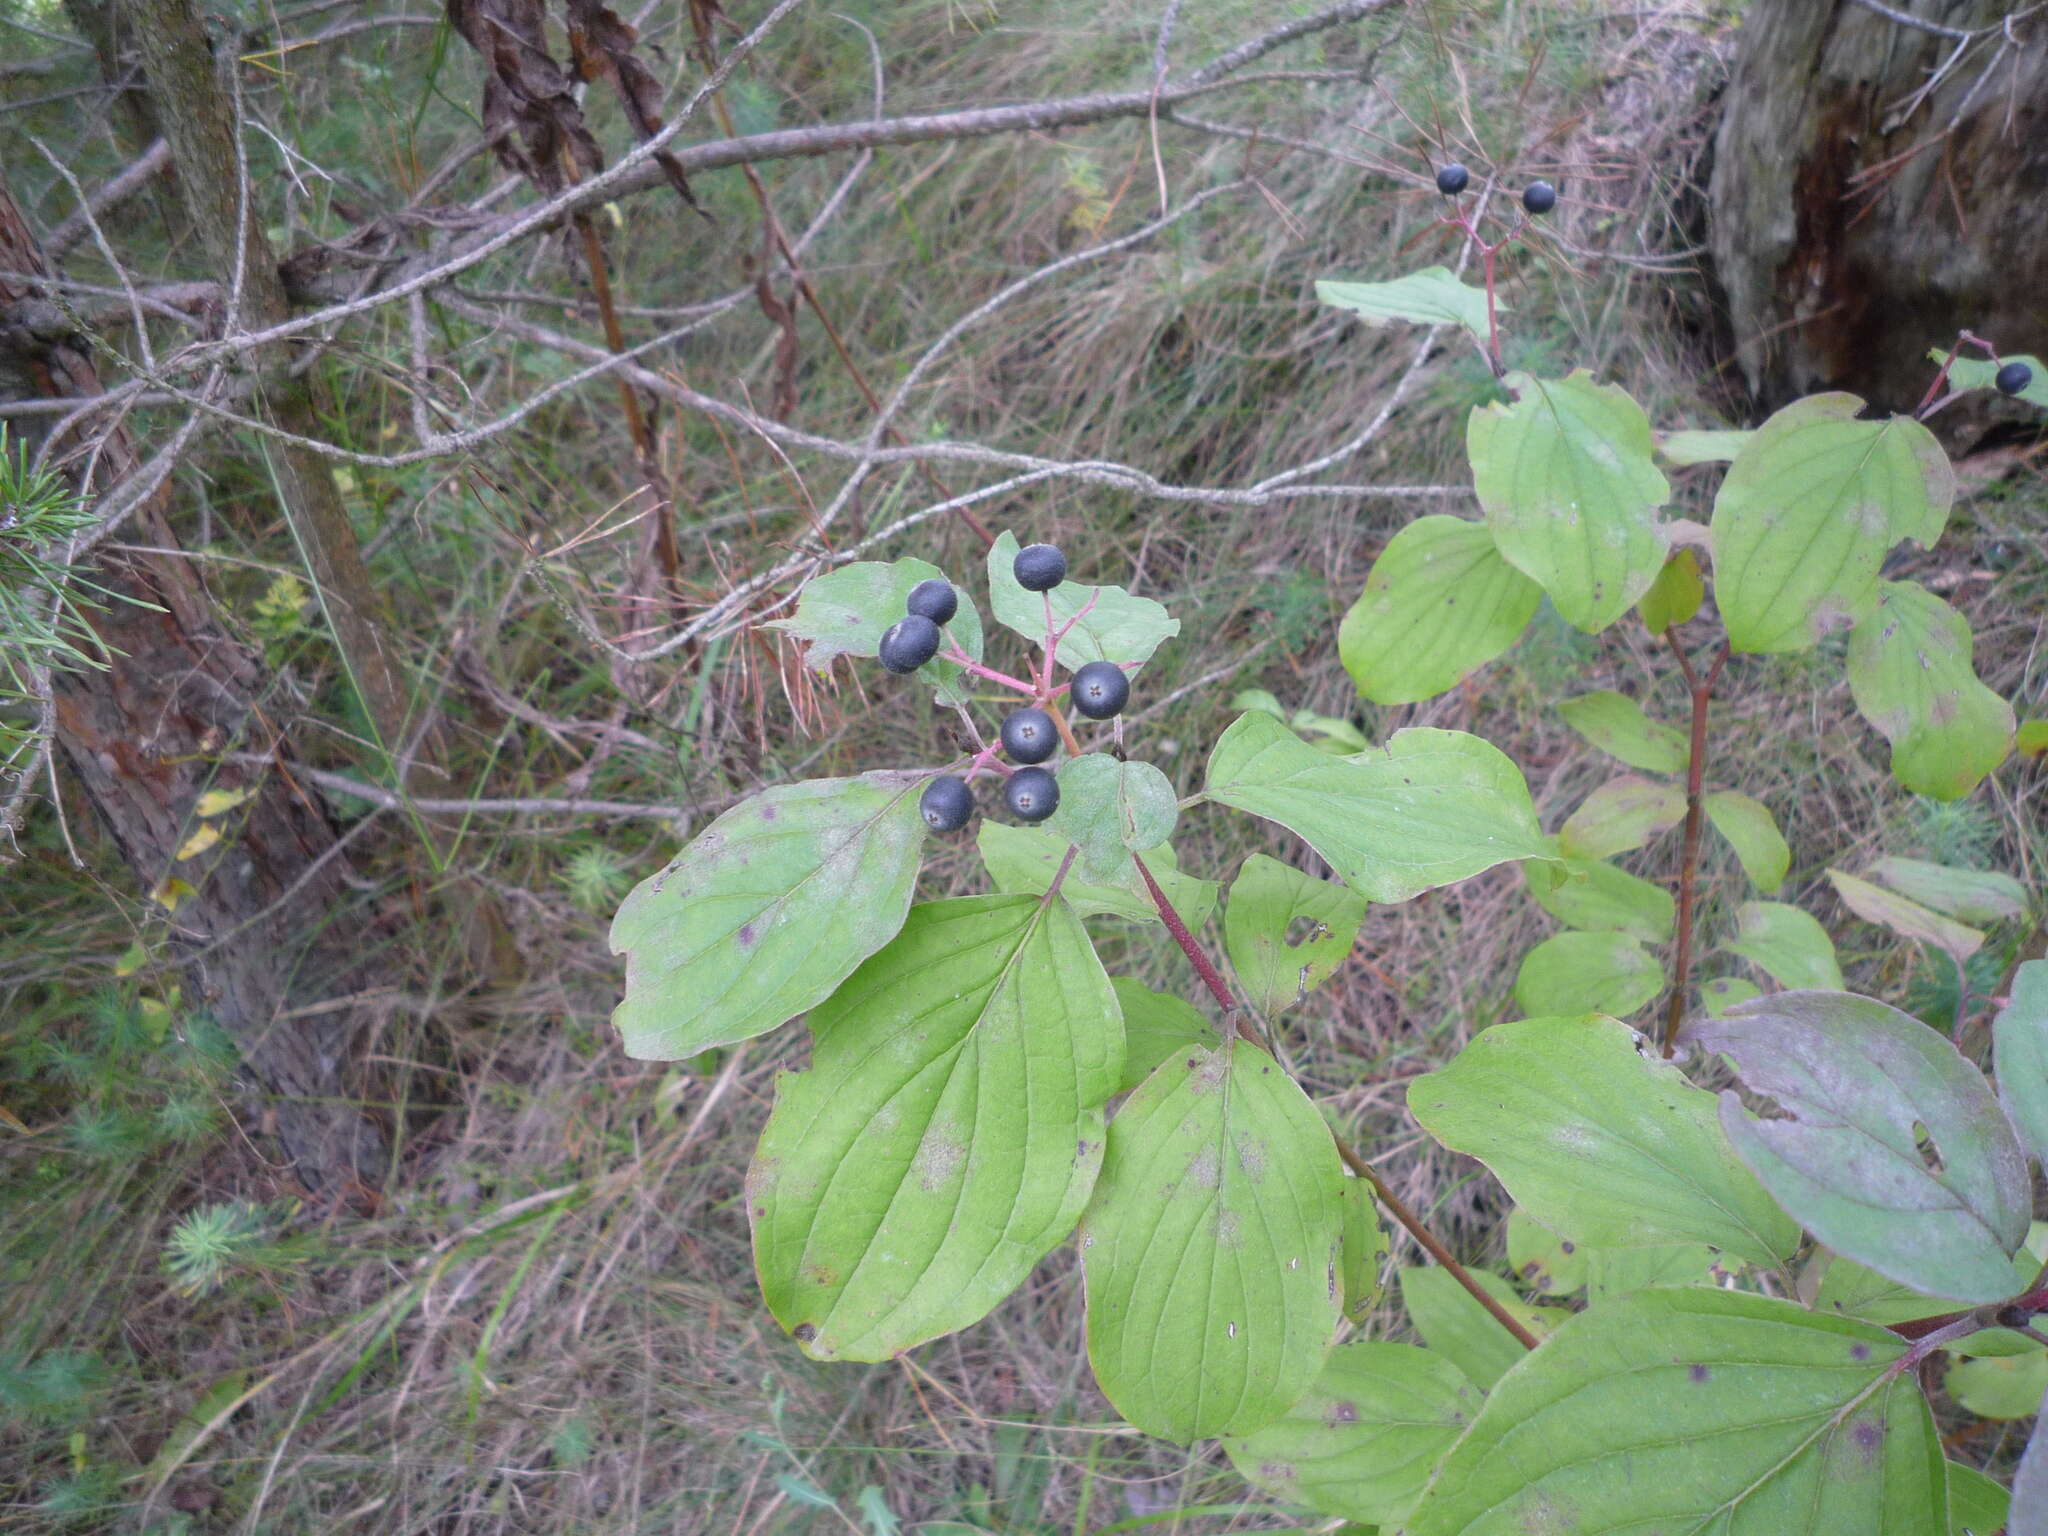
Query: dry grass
[551, 1324]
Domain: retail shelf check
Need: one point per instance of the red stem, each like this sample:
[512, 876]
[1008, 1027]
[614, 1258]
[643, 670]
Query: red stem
[1220, 990]
[1689, 863]
[953, 653]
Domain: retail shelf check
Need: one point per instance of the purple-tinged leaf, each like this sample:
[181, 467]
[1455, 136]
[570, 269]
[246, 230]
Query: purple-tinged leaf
[1890, 1147]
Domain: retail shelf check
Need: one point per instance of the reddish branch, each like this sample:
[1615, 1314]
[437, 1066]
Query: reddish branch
[1417, 1229]
[1689, 863]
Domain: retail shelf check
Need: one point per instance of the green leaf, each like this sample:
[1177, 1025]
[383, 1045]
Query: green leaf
[1906, 917]
[1155, 1026]
[1430, 808]
[1614, 1272]
[1364, 1440]
[1363, 1260]
[1438, 604]
[1429, 297]
[1969, 895]
[1911, 676]
[1118, 627]
[1849, 1289]
[1623, 813]
[1675, 596]
[947, 1134]
[1982, 373]
[1600, 1139]
[1616, 724]
[2020, 1049]
[2031, 739]
[1724, 992]
[1464, 1332]
[1287, 932]
[1111, 810]
[1788, 944]
[1687, 447]
[766, 911]
[1592, 895]
[873, 1505]
[1210, 1251]
[845, 611]
[1570, 492]
[1807, 511]
[1976, 1505]
[1026, 858]
[1749, 828]
[1572, 973]
[1546, 1262]
[1999, 1386]
[1855, 1084]
[1339, 737]
[1698, 1410]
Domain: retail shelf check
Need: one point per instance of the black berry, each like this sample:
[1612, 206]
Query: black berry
[1453, 179]
[935, 600]
[1039, 567]
[1539, 197]
[1100, 690]
[1032, 794]
[1029, 735]
[908, 644]
[2013, 378]
[946, 804]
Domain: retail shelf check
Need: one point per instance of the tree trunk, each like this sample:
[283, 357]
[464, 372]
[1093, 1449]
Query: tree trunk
[1858, 222]
[199, 121]
[148, 735]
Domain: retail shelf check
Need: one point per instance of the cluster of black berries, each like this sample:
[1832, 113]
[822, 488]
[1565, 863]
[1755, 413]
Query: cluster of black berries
[1099, 690]
[1537, 197]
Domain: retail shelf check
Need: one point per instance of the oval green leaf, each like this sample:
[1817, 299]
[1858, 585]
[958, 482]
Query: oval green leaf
[1155, 1026]
[1573, 973]
[1982, 373]
[1788, 944]
[1749, 828]
[844, 612]
[1807, 511]
[1600, 1139]
[1906, 917]
[1457, 1327]
[766, 911]
[1977, 1506]
[1286, 932]
[1595, 897]
[1571, 493]
[1911, 676]
[1364, 1440]
[2020, 1048]
[1111, 810]
[1438, 604]
[947, 1134]
[1026, 859]
[1969, 895]
[1698, 1410]
[1616, 724]
[1724, 992]
[1546, 1262]
[1210, 1251]
[1675, 596]
[1433, 296]
[1116, 626]
[1999, 1386]
[1856, 1083]
[1623, 813]
[1428, 809]
[1362, 1264]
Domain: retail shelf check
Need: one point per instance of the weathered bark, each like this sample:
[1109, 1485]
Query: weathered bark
[148, 735]
[198, 120]
[1850, 233]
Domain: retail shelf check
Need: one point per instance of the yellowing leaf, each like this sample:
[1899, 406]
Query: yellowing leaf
[218, 802]
[170, 891]
[201, 840]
